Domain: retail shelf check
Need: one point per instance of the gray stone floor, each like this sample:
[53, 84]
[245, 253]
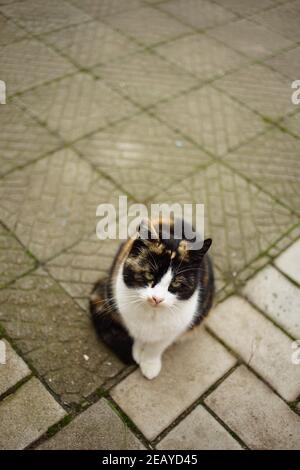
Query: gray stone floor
[163, 101]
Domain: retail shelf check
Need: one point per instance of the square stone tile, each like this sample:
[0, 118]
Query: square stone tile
[260, 89]
[250, 38]
[145, 78]
[263, 346]
[76, 105]
[13, 370]
[9, 32]
[292, 123]
[52, 203]
[189, 369]
[241, 219]
[272, 162]
[142, 155]
[287, 63]
[259, 417]
[289, 262]
[56, 337]
[104, 8]
[14, 261]
[277, 297]
[97, 428]
[38, 16]
[22, 139]
[198, 13]
[28, 63]
[92, 43]
[201, 55]
[245, 8]
[199, 431]
[214, 120]
[147, 25]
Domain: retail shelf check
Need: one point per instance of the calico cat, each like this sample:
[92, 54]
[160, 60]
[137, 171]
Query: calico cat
[157, 290]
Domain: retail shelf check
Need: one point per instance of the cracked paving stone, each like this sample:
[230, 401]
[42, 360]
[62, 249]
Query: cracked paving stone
[263, 346]
[38, 16]
[56, 337]
[104, 8]
[272, 162]
[215, 121]
[22, 139]
[77, 105]
[13, 370]
[259, 417]
[241, 219]
[292, 123]
[29, 63]
[275, 295]
[287, 63]
[289, 263]
[9, 32]
[91, 43]
[145, 78]
[52, 203]
[261, 89]
[244, 7]
[139, 151]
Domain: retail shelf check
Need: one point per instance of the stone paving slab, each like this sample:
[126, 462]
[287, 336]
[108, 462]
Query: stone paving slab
[28, 63]
[14, 370]
[246, 8]
[293, 123]
[9, 32]
[56, 336]
[105, 8]
[215, 121]
[289, 262]
[199, 431]
[277, 297]
[189, 369]
[98, 428]
[26, 415]
[76, 105]
[286, 63]
[258, 416]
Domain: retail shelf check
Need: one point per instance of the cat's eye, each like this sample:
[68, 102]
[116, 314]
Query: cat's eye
[149, 277]
[175, 283]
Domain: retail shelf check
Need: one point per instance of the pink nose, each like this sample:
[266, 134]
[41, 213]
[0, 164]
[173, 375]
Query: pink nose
[157, 300]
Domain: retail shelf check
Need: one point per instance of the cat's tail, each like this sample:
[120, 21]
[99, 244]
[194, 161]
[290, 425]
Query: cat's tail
[107, 324]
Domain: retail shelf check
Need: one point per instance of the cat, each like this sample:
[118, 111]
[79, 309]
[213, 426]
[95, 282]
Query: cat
[157, 290]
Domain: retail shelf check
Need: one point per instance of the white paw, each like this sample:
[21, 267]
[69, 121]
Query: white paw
[150, 369]
[137, 350]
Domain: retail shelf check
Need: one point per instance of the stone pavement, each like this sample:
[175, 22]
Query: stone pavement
[162, 101]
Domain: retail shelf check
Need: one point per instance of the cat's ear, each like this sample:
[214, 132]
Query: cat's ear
[146, 230]
[206, 246]
[197, 255]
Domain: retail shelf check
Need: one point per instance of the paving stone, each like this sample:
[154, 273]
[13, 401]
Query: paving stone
[254, 412]
[9, 32]
[198, 13]
[252, 39]
[241, 219]
[271, 161]
[27, 63]
[264, 347]
[145, 78]
[139, 151]
[76, 105]
[244, 7]
[199, 431]
[22, 139]
[14, 261]
[201, 55]
[38, 16]
[26, 415]
[260, 89]
[52, 203]
[189, 369]
[212, 119]
[12, 371]
[98, 428]
[285, 241]
[104, 8]
[89, 44]
[56, 336]
[289, 262]
[277, 297]
[135, 23]
[293, 123]
[287, 63]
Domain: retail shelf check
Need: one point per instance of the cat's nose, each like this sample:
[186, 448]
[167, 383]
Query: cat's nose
[155, 300]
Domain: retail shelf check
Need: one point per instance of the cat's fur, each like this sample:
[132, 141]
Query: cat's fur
[157, 289]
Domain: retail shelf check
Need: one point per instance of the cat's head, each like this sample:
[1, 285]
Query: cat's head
[162, 271]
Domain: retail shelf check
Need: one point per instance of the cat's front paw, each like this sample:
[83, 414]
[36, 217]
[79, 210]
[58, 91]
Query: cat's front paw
[150, 369]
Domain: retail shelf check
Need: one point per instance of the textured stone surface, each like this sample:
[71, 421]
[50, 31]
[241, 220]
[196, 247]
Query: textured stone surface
[9, 32]
[104, 8]
[198, 431]
[244, 7]
[289, 262]
[262, 345]
[26, 415]
[293, 123]
[12, 371]
[277, 297]
[212, 119]
[56, 336]
[98, 428]
[284, 20]
[189, 369]
[287, 63]
[76, 105]
[259, 417]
